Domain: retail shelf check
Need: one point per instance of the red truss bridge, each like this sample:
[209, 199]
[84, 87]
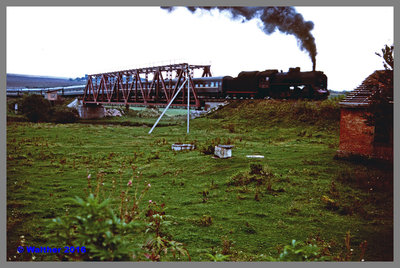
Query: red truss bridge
[155, 85]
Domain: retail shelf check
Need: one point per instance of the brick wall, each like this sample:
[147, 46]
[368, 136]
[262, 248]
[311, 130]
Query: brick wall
[356, 138]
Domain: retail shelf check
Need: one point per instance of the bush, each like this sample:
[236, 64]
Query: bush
[63, 114]
[35, 107]
[94, 225]
[129, 112]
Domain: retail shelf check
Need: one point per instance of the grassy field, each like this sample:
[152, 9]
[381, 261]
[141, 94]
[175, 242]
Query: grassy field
[310, 194]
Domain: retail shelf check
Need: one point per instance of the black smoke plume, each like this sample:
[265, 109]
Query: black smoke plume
[283, 19]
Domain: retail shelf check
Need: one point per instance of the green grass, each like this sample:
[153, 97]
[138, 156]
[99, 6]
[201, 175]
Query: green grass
[169, 112]
[48, 163]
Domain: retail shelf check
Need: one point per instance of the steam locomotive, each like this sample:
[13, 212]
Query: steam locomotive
[269, 83]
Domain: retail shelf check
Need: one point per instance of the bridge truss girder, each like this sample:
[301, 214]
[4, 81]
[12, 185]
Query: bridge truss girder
[129, 87]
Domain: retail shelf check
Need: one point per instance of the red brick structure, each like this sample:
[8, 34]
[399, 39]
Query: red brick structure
[356, 137]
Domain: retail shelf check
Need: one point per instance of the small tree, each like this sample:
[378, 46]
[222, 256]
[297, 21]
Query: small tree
[381, 106]
[35, 107]
[387, 55]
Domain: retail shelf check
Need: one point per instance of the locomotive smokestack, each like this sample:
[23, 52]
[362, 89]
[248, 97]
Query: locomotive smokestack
[284, 19]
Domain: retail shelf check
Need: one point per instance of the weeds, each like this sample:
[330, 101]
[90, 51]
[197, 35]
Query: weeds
[218, 257]
[248, 228]
[317, 249]
[230, 127]
[205, 194]
[225, 252]
[347, 253]
[109, 237]
[299, 252]
[153, 156]
[205, 220]
[95, 226]
[257, 176]
[158, 245]
[227, 245]
[129, 206]
[208, 147]
[330, 203]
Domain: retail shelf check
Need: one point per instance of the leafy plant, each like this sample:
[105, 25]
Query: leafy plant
[218, 257]
[95, 226]
[158, 244]
[299, 252]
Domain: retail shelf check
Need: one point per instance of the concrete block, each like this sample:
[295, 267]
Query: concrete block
[223, 151]
[182, 146]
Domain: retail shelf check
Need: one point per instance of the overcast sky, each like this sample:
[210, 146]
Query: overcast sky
[74, 41]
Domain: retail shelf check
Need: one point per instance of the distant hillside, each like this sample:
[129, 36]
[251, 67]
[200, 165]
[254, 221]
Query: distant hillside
[31, 81]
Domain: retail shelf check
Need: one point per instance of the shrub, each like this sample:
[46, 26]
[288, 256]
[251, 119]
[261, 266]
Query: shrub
[94, 225]
[35, 107]
[129, 112]
[330, 110]
[63, 114]
[150, 112]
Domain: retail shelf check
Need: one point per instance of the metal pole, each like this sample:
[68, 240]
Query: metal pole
[166, 108]
[188, 101]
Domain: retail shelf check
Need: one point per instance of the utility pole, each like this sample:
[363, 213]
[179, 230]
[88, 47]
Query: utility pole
[188, 98]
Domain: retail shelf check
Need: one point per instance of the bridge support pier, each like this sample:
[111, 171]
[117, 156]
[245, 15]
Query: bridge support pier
[91, 111]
